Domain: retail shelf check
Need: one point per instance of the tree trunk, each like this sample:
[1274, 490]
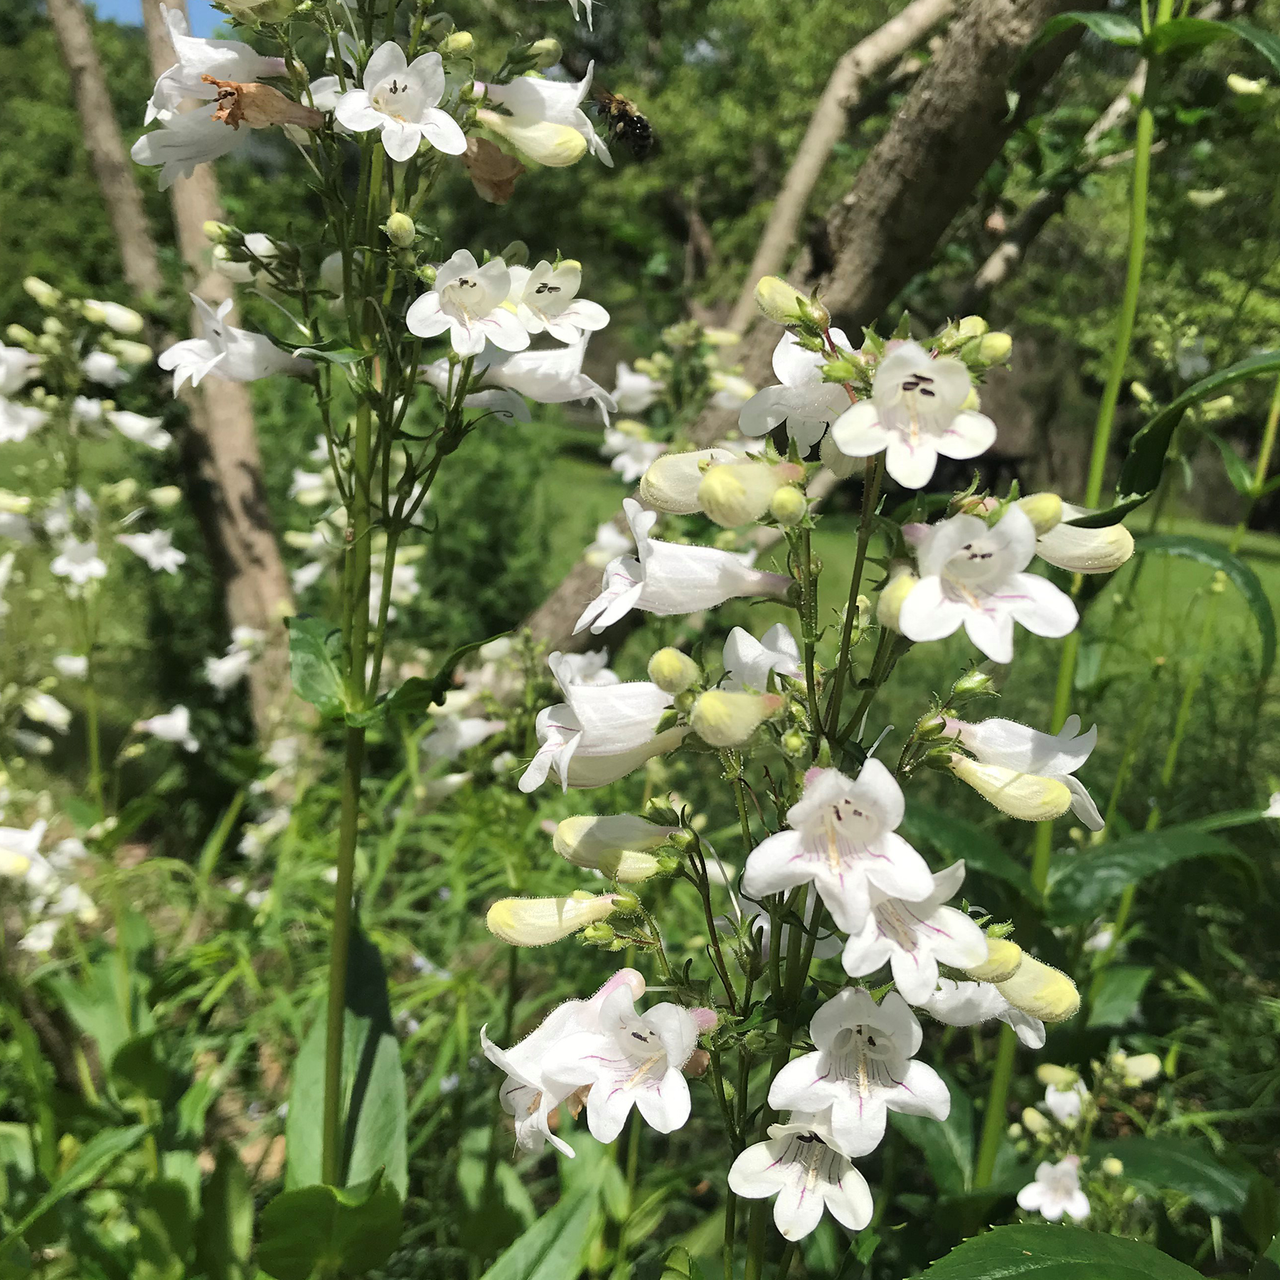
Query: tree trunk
[222, 449]
[950, 130]
[867, 58]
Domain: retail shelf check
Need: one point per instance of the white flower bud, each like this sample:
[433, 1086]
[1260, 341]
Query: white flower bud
[1141, 1068]
[1085, 550]
[545, 52]
[1248, 88]
[671, 482]
[738, 493]
[1003, 959]
[555, 145]
[14, 504]
[400, 230]
[44, 294]
[780, 301]
[1041, 991]
[896, 590]
[673, 671]
[168, 496]
[1021, 795]
[1050, 1074]
[1035, 1122]
[1044, 510]
[534, 922]
[124, 320]
[131, 352]
[788, 506]
[994, 348]
[618, 845]
[727, 719]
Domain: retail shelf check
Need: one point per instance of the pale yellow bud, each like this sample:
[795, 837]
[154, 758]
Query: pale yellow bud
[122, 319]
[1141, 1068]
[1044, 510]
[400, 230]
[1003, 959]
[971, 327]
[673, 671]
[554, 145]
[671, 482]
[131, 352]
[788, 506]
[1140, 393]
[722, 337]
[618, 845]
[15, 504]
[167, 496]
[722, 718]
[534, 922]
[900, 584]
[1035, 1122]
[545, 52]
[1112, 1167]
[13, 864]
[738, 493]
[1248, 88]
[1041, 991]
[456, 44]
[1021, 795]
[994, 348]
[1059, 1077]
[781, 302]
[1085, 550]
[42, 292]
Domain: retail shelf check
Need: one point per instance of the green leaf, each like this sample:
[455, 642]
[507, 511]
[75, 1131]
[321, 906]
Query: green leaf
[1266, 43]
[553, 1248]
[373, 1084]
[1114, 28]
[328, 1229]
[1141, 470]
[421, 692]
[226, 1219]
[954, 838]
[95, 1158]
[331, 351]
[315, 663]
[1237, 469]
[1082, 885]
[1056, 1253]
[1179, 1164]
[947, 1146]
[1241, 574]
[1119, 993]
[1187, 33]
[1268, 1266]
[139, 1068]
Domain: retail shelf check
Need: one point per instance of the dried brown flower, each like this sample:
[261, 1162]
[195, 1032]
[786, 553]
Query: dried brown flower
[260, 106]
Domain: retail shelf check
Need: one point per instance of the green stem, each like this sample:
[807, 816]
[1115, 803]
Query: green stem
[993, 1123]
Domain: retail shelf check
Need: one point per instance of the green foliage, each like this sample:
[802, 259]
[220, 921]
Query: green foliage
[1056, 1253]
[1179, 1164]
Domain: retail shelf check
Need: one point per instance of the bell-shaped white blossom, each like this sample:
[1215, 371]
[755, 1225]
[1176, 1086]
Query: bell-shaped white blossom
[804, 402]
[184, 141]
[18, 421]
[71, 666]
[966, 1004]
[140, 429]
[1021, 750]
[78, 562]
[455, 734]
[229, 670]
[1066, 1103]
[843, 840]
[546, 377]
[801, 1165]
[105, 368]
[608, 721]
[533, 112]
[748, 661]
[221, 59]
[528, 1094]
[913, 937]
[973, 576]
[222, 349]
[17, 368]
[156, 548]
[1056, 1191]
[402, 99]
[632, 1060]
[171, 726]
[470, 301]
[915, 413]
[863, 1066]
[1084, 550]
[633, 390]
[546, 301]
[630, 450]
[665, 579]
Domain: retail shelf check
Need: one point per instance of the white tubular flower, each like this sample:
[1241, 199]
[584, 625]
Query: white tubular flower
[455, 734]
[618, 845]
[17, 368]
[915, 413]
[748, 661]
[156, 548]
[541, 117]
[666, 579]
[546, 301]
[545, 377]
[226, 672]
[402, 99]
[670, 483]
[141, 430]
[261, 246]
[727, 718]
[863, 1067]
[44, 708]
[222, 59]
[185, 141]
[1020, 795]
[610, 543]
[1084, 550]
[635, 391]
[1056, 1191]
[527, 1094]
[1022, 752]
[630, 450]
[120, 319]
[591, 667]
[609, 725]
[1066, 1105]
[470, 302]
[535, 922]
[222, 349]
[104, 368]
[633, 1060]
[78, 562]
[965, 1004]
[171, 726]
[973, 576]
[801, 1165]
[843, 839]
[18, 421]
[71, 666]
[914, 937]
[803, 401]
[20, 849]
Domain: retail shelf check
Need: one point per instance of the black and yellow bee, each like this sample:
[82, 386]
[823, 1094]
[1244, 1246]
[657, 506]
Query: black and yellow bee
[626, 122]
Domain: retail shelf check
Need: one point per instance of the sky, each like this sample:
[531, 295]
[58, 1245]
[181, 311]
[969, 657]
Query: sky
[204, 18]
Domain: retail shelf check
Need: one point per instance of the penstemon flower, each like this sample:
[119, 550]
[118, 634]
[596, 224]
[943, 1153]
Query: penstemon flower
[546, 301]
[748, 662]
[172, 726]
[1056, 1191]
[804, 401]
[78, 562]
[543, 119]
[974, 576]
[966, 1004]
[470, 301]
[222, 349]
[155, 548]
[402, 99]
[635, 391]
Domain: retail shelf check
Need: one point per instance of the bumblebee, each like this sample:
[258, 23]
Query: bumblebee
[626, 123]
